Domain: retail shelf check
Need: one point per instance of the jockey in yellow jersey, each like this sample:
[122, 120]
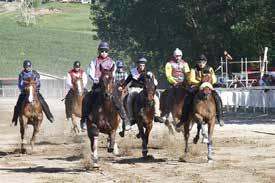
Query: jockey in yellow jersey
[195, 78]
[176, 69]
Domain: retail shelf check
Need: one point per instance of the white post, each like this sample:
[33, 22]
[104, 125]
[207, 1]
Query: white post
[246, 82]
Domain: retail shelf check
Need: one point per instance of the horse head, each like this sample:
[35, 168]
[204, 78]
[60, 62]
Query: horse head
[78, 86]
[206, 87]
[106, 81]
[30, 89]
[149, 89]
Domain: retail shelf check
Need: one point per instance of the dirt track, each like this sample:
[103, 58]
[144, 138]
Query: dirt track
[242, 153]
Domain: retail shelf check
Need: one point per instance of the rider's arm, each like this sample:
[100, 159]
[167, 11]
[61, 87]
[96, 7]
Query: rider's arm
[85, 79]
[127, 81]
[186, 68]
[36, 77]
[20, 82]
[214, 78]
[192, 78]
[168, 73]
[91, 71]
[69, 80]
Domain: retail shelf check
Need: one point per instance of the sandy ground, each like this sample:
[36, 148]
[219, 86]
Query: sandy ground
[243, 151]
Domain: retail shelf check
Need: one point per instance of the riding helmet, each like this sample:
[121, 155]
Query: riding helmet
[119, 64]
[203, 58]
[103, 45]
[142, 60]
[177, 52]
[77, 64]
[27, 63]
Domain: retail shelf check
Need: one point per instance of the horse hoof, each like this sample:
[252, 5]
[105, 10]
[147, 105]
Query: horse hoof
[110, 150]
[95, 166]
[210, 161]
[205, 141]
[195, 140]
[144, 153]
[121, 134]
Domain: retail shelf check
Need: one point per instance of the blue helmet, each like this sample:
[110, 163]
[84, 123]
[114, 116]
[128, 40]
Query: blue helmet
[103, 45]
[141, 60]
[27, 63]
[77, 64]
[119, 64]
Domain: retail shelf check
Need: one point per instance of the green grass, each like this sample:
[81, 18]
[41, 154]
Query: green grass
[52, 44]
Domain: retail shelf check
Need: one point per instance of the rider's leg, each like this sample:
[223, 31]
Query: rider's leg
[158, 118]
[45, 107]
[86, 109]
[17, 108]
[122, 113]
[218, 103]
[130, 100]
[68, 104]
[188, 100]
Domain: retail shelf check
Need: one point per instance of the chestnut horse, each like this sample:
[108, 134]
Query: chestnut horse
[104, 117]
[31, 112]
[78, 95]
[204, 113]
[143, 110]
[171, 102]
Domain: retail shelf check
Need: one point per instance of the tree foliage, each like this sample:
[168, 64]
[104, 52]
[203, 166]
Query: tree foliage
[157, 27]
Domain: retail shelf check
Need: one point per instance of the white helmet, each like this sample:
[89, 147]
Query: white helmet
[177, 52]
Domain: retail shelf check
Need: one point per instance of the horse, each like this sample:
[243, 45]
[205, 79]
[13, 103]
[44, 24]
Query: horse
[171, 102]
[31, 112]
[78, 95]
[104, 118]
[143, 110]
[204, 113]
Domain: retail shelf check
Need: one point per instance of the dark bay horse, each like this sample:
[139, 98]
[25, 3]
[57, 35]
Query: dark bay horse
[171, 102]
[104, 117]
[143, 110]
[204, 113]
[78, 95]
[31, 112]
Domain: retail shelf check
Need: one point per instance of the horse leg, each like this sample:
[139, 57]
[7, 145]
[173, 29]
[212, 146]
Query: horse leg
[142, 135]
[93, 136]
[169, 125]
[112, 141]
[22, 132]
[204, 133]
[33, 139]
[186, 136]
[146, 139]
[197, 137]
[74, 127]
[211, 125]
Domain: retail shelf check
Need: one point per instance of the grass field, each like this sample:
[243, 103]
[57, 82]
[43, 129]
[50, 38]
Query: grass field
[52, 44]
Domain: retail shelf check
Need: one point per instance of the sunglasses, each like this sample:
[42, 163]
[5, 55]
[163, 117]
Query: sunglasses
[102, 51]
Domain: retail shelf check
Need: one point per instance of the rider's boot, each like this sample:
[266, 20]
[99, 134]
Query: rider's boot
[17, 108]
[157, 117]
[45, 108]
[218, 103]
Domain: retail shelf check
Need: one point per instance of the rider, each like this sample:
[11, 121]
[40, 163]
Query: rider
[75, 72]
[176, 69]
[195, 80]
[137, 84]
[94, 74]
[24, 75]
[120, 74]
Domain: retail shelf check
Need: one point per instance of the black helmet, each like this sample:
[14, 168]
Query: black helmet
[27, 63]
[141, 60]
[119, 64]
[103, 45]
[202, 58]
[77, 64]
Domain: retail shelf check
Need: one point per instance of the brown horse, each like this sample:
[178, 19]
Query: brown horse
[104, 117]
[143, 110]
[31, 113]
[204, 113]
[78, 95]
[171, 102]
